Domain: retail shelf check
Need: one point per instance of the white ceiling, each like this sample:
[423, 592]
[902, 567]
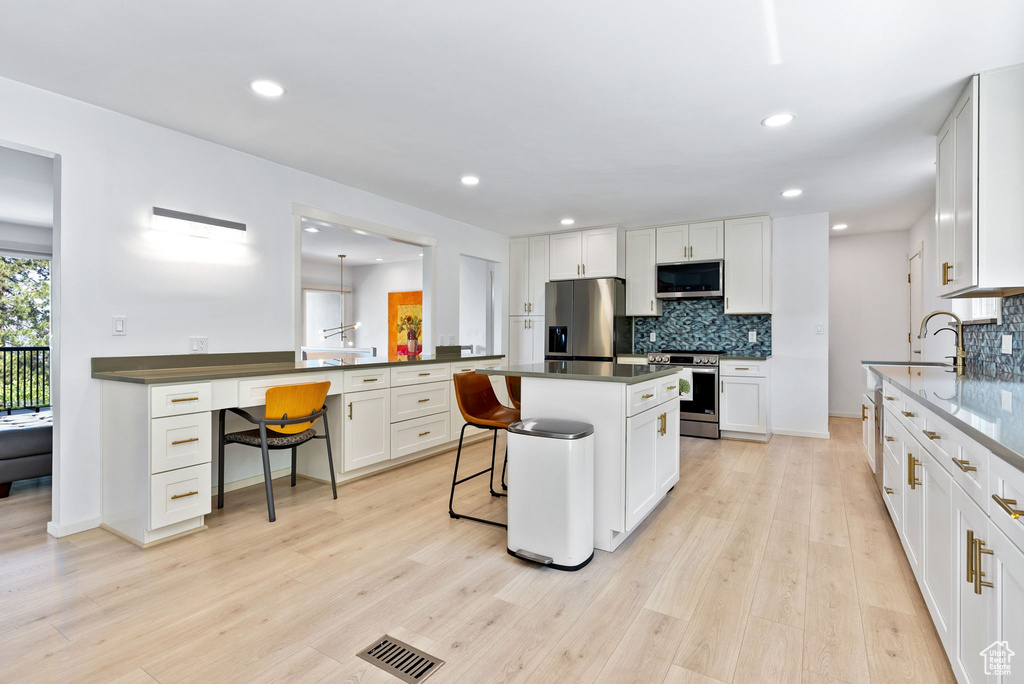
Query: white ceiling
[636, 113]
[360, 249]
[26, 188]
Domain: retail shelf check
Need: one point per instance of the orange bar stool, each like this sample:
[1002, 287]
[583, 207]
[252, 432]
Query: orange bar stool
[514, 384]
[305, 405]
[481, 409]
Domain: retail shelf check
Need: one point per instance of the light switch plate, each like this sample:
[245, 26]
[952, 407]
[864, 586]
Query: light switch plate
[198, 345]
[654, 337]
[119, 325]
[752, 336]
[1007, 344]
[819, 329]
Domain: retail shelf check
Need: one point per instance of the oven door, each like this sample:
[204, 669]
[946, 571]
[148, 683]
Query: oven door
[703, 402]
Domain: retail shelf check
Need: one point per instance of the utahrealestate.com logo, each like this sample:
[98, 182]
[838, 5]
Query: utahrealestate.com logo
[997, 658]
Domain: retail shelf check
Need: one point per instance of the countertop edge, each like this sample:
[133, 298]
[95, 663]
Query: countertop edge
[248, 371]
[1003, 452]
[654, 375]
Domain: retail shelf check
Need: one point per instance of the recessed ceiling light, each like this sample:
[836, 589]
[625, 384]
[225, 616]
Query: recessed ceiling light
[792, 192]
[568, 221]
[840, 226]
[378, 259]
[311, 229]
[266, 88]
[778, 120]
[470, 180]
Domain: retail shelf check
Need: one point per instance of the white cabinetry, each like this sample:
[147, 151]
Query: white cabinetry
[652, 457]
[528, 273]
[748, 265]
[596, 253]
[367, 428]
[691, 242]
[743, 400]
[538, 278]
[937, 566]
[641, 274]
[868, 417]
[979, 172]
[525, 340]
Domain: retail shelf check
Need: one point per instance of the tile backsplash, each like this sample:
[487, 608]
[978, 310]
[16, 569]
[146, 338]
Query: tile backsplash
[701, 324]
[983, 342]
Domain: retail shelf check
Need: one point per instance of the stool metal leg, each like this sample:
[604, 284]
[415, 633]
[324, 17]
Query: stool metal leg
[330, 456]
[457, 481]
[266, 473]
[220, 462]
[295, 458]
[490, 480]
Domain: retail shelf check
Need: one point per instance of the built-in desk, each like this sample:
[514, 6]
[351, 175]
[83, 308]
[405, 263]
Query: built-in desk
[160, 429]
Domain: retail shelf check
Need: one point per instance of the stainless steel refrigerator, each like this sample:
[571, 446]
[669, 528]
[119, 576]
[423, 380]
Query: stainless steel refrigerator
[586, 319]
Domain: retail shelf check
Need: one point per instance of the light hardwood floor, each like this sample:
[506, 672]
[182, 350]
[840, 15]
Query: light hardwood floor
[767, 563]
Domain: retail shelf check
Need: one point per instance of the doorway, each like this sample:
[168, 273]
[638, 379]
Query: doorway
[916, 293]
[477, 305]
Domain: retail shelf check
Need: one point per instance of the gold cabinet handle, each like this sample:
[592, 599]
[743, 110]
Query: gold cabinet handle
[647, 396]
[652, 305]
[970, 556]
[964, 465]
[908, 414]
[421, 401]
[739, 369]
[175, 401]
[184, 441]
[584, 269]
[890, 398]
[931, 434]
[577, 269]
[912, 464]
[182, 496]
[890, 439]
[425, 433]
[978, 572]
[946, 268]
[424, 374]
[670, 387]
[888, 490]
[369, 379]
[1008, 506]
[350, 410]
[863, 412]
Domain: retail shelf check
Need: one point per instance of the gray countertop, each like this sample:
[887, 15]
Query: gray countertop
[986, 409]
[154, 374]
[597, 371]
[741, 357]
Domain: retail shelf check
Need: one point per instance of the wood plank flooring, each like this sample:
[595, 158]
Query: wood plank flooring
[767, 563]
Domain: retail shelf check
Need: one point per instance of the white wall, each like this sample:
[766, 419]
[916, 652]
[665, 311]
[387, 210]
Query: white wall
[933, 348]
[799, 303]
[869, 311]
[370, 288]
[113, 170]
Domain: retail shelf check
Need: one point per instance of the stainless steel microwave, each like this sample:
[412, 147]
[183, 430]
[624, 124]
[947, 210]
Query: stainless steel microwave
[691, 279]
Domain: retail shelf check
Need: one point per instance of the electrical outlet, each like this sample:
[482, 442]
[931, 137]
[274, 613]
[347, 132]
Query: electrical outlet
[654, 337]
[119, 325]
[1007, 344]
[198, 345]
[752, 336]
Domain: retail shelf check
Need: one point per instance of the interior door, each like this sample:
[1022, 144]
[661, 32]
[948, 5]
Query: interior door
[707, 240]
[916, 304]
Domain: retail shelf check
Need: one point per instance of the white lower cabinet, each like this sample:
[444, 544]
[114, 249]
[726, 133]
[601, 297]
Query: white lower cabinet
[367, 428]
[744, 404]
[913, 503]
[937, 567]
[178, 495]
[868, 417]
[668, 448]
[1006, 568]
[525, 340]
[974, 603]
[652, 459]
[419, 434]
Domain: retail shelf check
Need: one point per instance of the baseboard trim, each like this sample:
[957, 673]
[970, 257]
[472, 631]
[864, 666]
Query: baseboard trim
[802, 433]
[844, 415]
[250, 481]
[59, 531]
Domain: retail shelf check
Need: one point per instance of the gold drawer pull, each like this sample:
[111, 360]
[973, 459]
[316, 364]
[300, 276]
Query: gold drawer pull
[890, 439]
[739, 368]
[964, 465]
[946, 280]
[931, 434]
[370, 379]
[424, 374]
[890, 398]
[978, 572]
[184, 441]
[425, 433]
[670, 387]
[647, 396]
[175, 401]
[420, 401]
[1008, 506]
[863, 412]
[888, 490]
[182, 496]
[912, 464]
[908, 414]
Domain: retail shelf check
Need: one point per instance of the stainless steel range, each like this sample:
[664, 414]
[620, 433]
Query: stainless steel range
[698, 408]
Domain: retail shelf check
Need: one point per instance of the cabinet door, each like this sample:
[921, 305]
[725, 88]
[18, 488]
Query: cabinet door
[520, 341]
[748, 255]
[893, 491]
[867, 428]
[707, 240]
[673, 244]
[668, 448]
[601, 253]
[974, 611]
[537, 333]
[367, 428]
[539, 251]
[937, 569]
[641, 465]
[944, 191]
[566, 261]
[641, 276]
[913, 501]
[744, 404]
[1006, 568]
[518, 276]
[965, 193]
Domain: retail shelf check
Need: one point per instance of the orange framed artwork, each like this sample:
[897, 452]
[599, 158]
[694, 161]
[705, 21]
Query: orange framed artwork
[405, 323]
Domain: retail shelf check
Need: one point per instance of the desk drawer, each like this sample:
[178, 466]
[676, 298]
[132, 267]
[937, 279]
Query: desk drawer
[369, 379]
[420, 373]
[668, 388]
[464, 367]
[752, 368]
[174, 400]
[179, 495]
[419, 400]
[180, 441]
[891, 397]
[643, 396]
[418, 434]
[254, 392]
[1006, 485]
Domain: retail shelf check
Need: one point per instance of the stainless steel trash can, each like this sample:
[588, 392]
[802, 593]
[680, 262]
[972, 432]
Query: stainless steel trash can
[551, 492]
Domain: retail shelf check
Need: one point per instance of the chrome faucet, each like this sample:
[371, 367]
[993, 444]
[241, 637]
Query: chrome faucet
[961, 352]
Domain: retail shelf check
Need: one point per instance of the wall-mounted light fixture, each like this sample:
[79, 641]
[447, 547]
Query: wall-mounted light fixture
[182, 223]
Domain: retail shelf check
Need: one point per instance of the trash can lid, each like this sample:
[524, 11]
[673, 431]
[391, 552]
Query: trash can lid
[552, 428]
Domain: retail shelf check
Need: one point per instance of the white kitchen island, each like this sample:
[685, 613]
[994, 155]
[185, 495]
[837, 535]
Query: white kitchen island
[635, 413]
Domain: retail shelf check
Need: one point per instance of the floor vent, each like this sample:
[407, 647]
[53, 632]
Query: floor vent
[400, 659]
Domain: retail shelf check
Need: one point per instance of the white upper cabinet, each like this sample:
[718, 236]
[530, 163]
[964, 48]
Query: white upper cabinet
[597, 253]
[691, 242]
[539, 247]
[528, 273]
[641, 274]
[979, 173]
[748, 265]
